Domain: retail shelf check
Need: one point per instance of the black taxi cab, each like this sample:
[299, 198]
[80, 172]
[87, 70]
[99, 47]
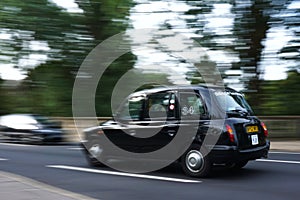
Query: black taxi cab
[215, 126]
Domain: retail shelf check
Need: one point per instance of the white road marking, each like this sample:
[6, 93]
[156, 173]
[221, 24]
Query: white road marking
[76, 148]
[278, 161]
[123, 174]
[18, 145]
[281, 152]
[3, 159]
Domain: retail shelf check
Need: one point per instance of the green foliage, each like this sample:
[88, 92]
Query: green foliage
[281, 97]
[108, 81]
[70, 37]
[105, 17]
[113, 74]
[50, 89]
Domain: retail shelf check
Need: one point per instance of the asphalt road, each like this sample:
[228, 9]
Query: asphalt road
[65, 167]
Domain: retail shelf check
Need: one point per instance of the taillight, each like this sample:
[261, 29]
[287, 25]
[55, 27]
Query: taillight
[266, 133]
[230, 133]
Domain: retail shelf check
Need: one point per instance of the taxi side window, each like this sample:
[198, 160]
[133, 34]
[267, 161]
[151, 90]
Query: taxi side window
[132, 109]
[191, 105]
[160, 105]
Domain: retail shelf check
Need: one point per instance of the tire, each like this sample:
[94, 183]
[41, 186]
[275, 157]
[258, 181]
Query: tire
[34, 139]
[196, 163]
[94, 153]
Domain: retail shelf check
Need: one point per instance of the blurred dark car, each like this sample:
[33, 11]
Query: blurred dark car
[30, 128]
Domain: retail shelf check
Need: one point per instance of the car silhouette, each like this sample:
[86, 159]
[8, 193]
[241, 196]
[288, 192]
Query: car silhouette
[217, 125]
[30, 128]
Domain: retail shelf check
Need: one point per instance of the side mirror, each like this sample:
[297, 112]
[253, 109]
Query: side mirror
[116, 116]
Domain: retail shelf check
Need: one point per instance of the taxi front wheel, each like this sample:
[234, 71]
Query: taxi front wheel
[94, 152]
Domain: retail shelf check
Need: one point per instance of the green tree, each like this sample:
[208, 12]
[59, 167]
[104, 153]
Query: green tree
[69, 36]
[281, 97]
[251, 26]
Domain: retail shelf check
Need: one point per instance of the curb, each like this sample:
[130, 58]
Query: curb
[34, 188]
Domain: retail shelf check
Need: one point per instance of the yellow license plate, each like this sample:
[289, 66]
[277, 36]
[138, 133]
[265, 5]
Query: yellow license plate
[252, 129]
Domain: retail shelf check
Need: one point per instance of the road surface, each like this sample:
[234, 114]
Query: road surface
[65, 167]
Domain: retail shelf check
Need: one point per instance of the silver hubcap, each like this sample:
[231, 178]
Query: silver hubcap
[194, 161]
[95, 150]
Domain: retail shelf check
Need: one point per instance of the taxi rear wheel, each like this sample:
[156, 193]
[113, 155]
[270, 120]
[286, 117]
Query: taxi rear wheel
[195, 162]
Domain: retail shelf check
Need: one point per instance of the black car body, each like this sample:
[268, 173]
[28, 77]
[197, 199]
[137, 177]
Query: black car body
[194, 110]
[30, 128]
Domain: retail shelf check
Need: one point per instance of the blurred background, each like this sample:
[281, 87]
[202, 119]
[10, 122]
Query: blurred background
[253, 43]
